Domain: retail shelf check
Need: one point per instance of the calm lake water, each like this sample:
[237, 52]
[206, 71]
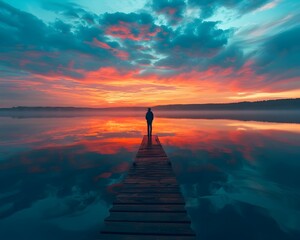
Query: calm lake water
[58, 176]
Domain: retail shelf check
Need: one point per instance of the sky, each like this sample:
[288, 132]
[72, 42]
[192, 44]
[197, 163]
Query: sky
[105, 53]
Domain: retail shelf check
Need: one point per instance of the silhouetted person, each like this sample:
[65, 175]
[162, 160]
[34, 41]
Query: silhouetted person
[149, 118]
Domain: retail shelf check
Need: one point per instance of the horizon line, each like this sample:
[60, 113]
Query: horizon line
[175, 104]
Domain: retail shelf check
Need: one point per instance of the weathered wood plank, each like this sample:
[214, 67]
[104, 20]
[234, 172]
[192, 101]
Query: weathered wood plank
[113, 236]
[155, 185]
[141, 172]
[148, 200]
[153, 165]
[143, 167]
[148, 217]
[152, 169]
[147, 208]
[147, 155]
[162, 185]
[176, 195]
[150, 176]
[177, 229]
[149, 190]
[150, 181]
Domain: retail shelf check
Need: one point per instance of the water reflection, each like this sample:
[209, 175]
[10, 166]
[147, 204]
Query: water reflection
[59, 175]
[241, 180]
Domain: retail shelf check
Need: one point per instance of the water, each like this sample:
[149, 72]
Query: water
[58, 176]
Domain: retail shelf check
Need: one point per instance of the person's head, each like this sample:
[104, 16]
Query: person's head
[149, 109]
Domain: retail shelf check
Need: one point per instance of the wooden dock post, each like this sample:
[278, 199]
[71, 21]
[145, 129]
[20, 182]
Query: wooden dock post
[150, 204]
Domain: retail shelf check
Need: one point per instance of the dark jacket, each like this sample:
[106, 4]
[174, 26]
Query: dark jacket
[149, 116]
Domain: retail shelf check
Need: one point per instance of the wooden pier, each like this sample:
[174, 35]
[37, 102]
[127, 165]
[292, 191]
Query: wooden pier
[149, 204]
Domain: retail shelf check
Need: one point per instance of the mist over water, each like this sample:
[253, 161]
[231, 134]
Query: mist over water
[238, 172]
[288, 116]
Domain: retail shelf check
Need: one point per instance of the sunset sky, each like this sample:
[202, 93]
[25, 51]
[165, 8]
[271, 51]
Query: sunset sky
[104, 53]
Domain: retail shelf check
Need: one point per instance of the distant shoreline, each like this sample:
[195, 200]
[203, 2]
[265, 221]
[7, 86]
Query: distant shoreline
[280, 104]
[276, 116]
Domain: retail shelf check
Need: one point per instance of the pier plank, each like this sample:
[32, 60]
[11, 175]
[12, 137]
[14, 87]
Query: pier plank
[113, 236]
[148, 217]
[149, 190]
[149, 200]
[147, 208]
[151, 195]
[177, 229]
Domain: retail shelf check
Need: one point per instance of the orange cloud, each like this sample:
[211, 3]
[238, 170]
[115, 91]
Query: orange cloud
[124, 30]
[117, 52]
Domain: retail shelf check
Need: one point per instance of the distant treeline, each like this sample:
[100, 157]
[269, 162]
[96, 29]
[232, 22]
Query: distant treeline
[71, 109]
[280, 104]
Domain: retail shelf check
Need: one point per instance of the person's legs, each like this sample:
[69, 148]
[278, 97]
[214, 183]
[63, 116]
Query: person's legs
[148, 129]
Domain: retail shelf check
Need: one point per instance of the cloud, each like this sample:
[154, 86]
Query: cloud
[191, 46]
[172, 10]
[71, 11]
[16, 26]
[269, 5]
[126, 41]
[29, 44]
[278, 57]
[129, 26]
[230, 57]
[208, 7]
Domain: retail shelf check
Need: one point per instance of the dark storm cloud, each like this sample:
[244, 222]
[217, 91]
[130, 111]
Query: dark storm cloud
[19, 27]
[279, 55]
[173, 10]
[197, 42]
[118, 17]
[201, 38]
[208, 7]
[231, 56]
[144, 61]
